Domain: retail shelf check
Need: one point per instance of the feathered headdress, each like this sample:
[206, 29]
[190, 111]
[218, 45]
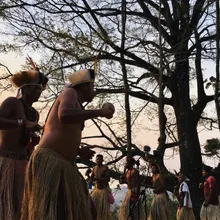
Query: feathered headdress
[82, 76]
[207, 168]
[29, 77]
[32, 63]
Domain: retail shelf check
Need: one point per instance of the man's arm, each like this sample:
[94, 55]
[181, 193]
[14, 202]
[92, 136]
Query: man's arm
[69, 114]
[35, 138]
[93, 174]
[207, 199]
[107, 175]
[7, 108]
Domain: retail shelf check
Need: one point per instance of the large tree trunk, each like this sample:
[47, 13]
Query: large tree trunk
[189, 146]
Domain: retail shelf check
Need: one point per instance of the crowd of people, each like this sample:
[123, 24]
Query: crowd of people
[133, 207]
[39, 178]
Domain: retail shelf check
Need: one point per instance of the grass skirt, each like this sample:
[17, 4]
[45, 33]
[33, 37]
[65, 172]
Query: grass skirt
[185, 214]
[160, 207]
[211, 212]
[100, 199]
[12, 173]
[137, 211]
[54, 189]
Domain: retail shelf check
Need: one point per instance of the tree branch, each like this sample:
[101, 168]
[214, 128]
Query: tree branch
[167, 101]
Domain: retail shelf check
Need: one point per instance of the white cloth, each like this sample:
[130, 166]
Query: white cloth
[184, 188]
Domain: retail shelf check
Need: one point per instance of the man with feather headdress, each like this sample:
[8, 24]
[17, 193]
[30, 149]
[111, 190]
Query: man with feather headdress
[18, 122]
[54, 188]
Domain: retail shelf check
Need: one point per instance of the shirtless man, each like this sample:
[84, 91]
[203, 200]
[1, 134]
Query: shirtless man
[18, 122]
[130, 209]
[100, 174]
[54, 188]
[160, 209]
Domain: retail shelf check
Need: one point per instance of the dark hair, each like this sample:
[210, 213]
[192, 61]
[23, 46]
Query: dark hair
[153, 164]
[132, 159]
[99, 155]
[206, 168]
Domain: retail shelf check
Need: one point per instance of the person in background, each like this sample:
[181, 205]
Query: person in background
[210, 209]
[185, 211]
[100, 175]
[131, 208]
[54, 188]
[160, 207]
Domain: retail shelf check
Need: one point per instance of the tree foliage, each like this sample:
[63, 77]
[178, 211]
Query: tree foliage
[122, 39]
[212, 147]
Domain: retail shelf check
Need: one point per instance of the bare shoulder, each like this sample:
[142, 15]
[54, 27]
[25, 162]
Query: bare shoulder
[160, 177]
[135, 171]
[12, 102]
[105, 168]
[68, 93]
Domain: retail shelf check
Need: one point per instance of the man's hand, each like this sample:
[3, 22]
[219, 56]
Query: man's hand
[201, 185]
[107, 110]
[32, 126]
[122, 176]
[35, 140]
[155, 191]
[122, 179]
[85, 153]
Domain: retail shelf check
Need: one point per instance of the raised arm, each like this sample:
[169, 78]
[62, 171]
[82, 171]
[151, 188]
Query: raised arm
[68, 113]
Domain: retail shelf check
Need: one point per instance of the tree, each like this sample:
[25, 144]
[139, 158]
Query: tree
[124, 39]
[212, 147]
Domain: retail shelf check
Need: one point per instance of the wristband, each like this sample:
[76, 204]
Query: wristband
[20, 122]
